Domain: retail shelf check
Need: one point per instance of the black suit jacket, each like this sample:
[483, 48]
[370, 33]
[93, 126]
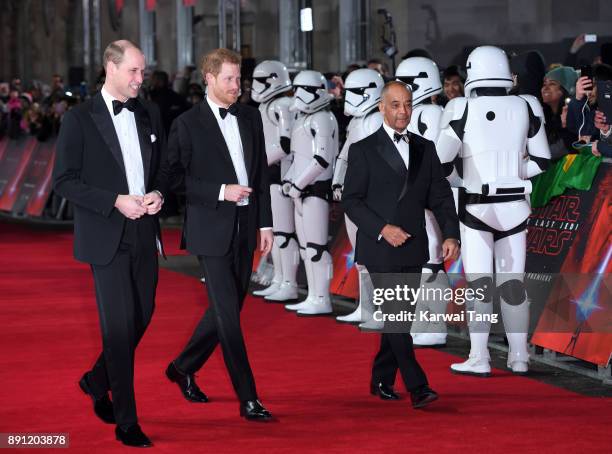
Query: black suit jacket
[200, 163]
[89, 172]
[378, 190]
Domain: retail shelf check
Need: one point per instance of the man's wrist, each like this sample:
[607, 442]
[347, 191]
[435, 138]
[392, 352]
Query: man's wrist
[161, 196]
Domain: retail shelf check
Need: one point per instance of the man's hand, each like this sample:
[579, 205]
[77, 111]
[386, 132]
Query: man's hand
[236, 193]
[130, 206]
[394, 235]
[152, 202]
[583, 86]
[595, 148]
[266, 239]
[450, 249]
[601, 122]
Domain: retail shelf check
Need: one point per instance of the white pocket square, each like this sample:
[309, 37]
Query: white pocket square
[153, 138]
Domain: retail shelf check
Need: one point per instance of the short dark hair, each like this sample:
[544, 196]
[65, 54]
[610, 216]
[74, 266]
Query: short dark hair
[161, 76]
[453, 70]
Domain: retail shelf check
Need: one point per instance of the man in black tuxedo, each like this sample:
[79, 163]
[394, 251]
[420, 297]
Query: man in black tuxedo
[109, 152]
[392, 177]
[216, 153]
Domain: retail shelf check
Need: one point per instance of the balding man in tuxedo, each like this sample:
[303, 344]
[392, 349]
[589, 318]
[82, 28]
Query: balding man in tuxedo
[109, 152]
[392, 177]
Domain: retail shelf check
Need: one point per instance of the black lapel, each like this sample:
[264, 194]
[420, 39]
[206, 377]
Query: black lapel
[104, 123]
[415, 156]
[211, 127]
[389, 152]
[246, 136]
[143, 125]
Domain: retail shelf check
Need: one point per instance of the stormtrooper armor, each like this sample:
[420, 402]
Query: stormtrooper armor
[271, 83]
[501, 142]
[423, 77]
[314, 144]
[363, 88]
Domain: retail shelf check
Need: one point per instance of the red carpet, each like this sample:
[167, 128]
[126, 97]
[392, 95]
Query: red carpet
[311, 373]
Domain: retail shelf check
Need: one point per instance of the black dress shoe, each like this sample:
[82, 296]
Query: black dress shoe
[383, 391]
[423, 396]
[253, 410]
[133, 436]
[103, 407]
[187, 384]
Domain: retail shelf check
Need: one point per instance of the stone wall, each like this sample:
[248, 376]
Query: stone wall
[42, 37]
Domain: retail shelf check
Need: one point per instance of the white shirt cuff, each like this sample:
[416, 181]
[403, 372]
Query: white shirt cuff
[222, 193]
[265, 228]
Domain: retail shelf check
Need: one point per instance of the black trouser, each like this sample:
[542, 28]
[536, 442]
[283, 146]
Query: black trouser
[396, 351]
[125, 293]
[227, 281]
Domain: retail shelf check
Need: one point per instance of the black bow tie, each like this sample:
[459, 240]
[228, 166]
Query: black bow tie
[233, 109]
[130, 105]
[397, 137]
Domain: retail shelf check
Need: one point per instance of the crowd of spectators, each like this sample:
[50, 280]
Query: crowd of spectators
[569, 98]
[36, 111]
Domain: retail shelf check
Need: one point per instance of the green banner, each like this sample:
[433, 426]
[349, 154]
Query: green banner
[575, 171]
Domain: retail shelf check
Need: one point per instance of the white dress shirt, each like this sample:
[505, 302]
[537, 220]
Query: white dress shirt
[127, 133]
[402, 146]
[231, 134]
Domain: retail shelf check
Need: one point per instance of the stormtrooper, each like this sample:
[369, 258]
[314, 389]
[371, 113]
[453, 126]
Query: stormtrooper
[314, 144]
[363, 88]
[501, 142]
[423, 77]
[271, 84]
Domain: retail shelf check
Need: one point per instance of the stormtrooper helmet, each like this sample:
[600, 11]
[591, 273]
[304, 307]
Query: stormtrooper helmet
[487, 66]
[310, 91]
[423, 76]
[363, 88]
[270, 78]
